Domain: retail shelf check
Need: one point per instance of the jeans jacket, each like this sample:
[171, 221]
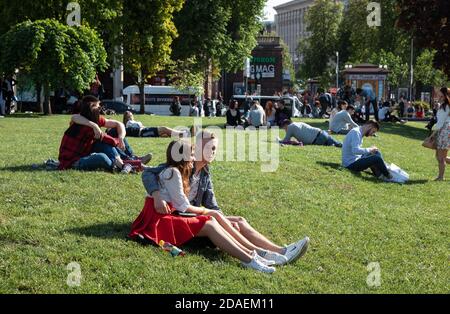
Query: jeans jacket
[205, 194]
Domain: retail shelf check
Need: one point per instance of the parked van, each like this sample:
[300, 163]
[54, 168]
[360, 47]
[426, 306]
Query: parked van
[158, 99]
[290, 102]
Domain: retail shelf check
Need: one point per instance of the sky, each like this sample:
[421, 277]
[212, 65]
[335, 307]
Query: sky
[269, 11]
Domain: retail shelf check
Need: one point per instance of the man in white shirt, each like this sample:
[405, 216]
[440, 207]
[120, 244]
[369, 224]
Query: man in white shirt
[342, 122]
[356, 158]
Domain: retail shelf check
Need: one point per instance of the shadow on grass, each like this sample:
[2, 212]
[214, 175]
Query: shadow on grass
[198, 246]
[111, 230]
[26, 116]
[25, 168]
[337, 167]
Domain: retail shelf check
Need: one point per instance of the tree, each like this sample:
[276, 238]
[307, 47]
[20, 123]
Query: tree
[53, 55]
[323, 20]
[217, 34]
[428, 22]
[426, 73]
[147, 34]
[398, 68]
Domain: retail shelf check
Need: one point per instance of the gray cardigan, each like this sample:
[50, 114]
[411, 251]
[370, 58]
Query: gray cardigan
[205, 194]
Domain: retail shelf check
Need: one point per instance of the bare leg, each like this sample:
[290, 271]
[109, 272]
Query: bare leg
[167, 132]
[222, 240]
[226, 224]
[441, 156]
[254, 236]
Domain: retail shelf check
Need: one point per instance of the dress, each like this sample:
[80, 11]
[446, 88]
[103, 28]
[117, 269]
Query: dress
[443, 137]
[173, 229]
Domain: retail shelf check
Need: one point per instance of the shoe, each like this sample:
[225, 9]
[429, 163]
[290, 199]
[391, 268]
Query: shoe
[257, 265]
[275, 258]
[386, 179]
[296, 250]
[146, 159]
[126, 169]
[264, 261]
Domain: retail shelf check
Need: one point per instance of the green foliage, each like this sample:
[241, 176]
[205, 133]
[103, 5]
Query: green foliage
[323, 20]
[287, 61]
[399, 70]
[181, 75]
[426, 73]
[426, 106]
[147, 34]
[52, 54]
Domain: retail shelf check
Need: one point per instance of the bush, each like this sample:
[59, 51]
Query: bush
[426, 106]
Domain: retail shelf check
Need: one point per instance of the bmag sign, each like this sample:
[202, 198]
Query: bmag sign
[263, 65]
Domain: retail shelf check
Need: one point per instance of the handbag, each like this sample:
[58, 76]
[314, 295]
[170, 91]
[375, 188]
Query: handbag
[430, 142]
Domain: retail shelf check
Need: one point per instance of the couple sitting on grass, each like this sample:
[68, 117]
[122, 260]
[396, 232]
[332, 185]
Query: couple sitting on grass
[181, 205]
[86, 147]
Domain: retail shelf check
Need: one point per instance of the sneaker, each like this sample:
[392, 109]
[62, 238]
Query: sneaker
[126, 169]
[275, 258]
[296, 250]
[257, 265]
[386, 179]
[264, 261]
[146, 159]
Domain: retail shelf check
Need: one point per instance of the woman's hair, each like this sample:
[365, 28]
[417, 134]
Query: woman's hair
[178, 155]
[269, 108]
[86, 108]
[446, 92]
[341, 103]
[127, 117]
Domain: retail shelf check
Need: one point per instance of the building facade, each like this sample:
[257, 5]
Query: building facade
[291, 25]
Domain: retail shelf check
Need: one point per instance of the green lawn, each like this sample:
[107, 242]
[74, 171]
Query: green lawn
[50, 219]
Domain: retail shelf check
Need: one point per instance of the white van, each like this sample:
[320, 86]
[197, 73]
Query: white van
[290, 102]
[158, 99]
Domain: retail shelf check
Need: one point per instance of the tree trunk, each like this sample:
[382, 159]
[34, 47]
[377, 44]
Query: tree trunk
[142, 96]
[47, 106]
[39, 98]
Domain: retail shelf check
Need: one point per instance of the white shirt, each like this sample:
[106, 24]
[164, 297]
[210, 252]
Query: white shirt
[171, 189]
[134, 124]
[342, 121]
[195, 182]
[442, 117]
[382, 113]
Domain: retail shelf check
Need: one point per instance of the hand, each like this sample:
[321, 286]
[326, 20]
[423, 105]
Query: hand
[374, 150]
[121, 144]
[161, 206]
[98, 134]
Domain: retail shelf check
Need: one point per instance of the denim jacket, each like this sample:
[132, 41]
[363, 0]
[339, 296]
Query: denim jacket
[205, 194]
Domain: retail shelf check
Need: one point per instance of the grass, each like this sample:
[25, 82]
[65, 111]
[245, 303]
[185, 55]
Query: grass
[50, 219]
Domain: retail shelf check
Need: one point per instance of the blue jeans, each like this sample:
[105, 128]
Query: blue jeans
[108, 150]
[93, 162]
[374, 162]
[325, 139]
[128, 152]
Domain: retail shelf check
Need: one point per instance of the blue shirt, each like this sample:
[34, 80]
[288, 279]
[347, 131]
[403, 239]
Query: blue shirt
[351, 149]
[368, 94]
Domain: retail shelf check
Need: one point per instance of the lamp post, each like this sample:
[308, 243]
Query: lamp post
[337, 70]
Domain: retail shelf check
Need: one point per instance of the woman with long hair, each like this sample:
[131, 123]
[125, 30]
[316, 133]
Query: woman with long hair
[270, 114]
[442, 132]
[186, 221]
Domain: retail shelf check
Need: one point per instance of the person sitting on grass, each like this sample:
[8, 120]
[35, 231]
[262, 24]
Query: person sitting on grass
[342, 105]
[257, 116]
[342, 122]
[385, 114]
[85, 147]
[282, 113]
[201, 193]
[233, 115]
[306, 134]
[357, 159]
[136, 128]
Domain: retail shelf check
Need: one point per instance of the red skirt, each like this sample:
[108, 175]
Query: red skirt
[173, 229]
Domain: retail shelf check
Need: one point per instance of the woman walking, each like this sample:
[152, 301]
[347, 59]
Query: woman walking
[442, 132]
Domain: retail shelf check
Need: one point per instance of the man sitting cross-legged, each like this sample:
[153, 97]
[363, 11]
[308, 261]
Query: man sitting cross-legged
[202, 194]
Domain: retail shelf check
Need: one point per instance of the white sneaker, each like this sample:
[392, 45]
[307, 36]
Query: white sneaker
[126, 169]
[257, 265]
[276, 258]
[264, 261]
[296, 250]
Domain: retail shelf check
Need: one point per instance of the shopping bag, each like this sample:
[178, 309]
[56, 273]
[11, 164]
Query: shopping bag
[398, 175]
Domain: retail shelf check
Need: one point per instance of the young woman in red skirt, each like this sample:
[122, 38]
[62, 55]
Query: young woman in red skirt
[178, 229]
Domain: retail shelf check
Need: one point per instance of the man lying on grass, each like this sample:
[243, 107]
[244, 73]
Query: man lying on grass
[201, 193]
[356, 158]
[306, 134]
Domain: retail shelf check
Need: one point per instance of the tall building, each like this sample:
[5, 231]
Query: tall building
[291, 26]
